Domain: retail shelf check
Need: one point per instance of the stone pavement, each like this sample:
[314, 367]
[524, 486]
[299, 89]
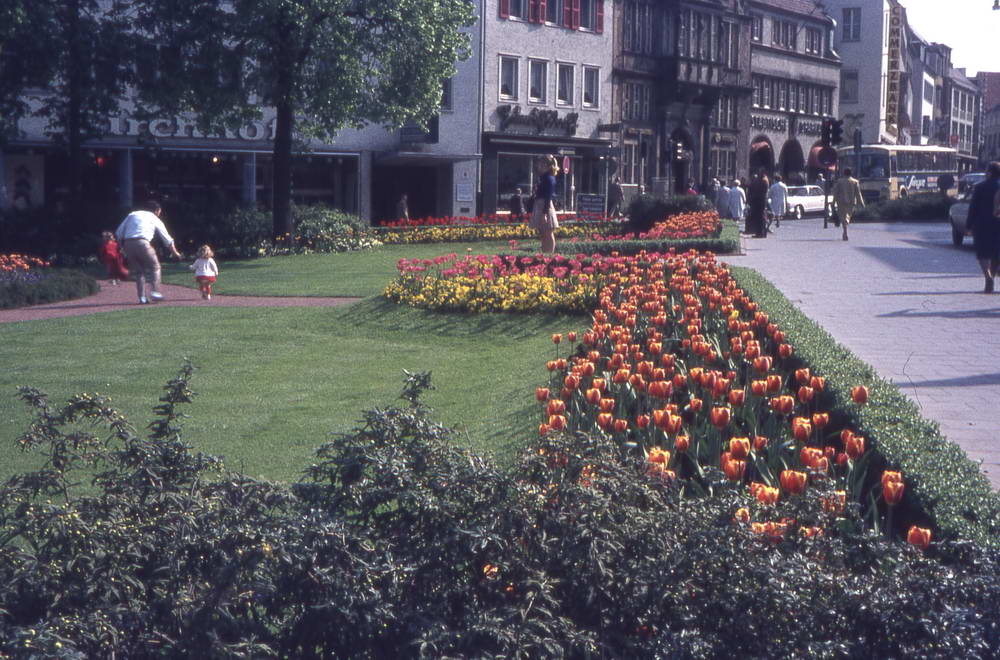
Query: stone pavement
[902, 298]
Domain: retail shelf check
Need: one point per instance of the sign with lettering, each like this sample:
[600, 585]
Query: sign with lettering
[538, 119]
[768, 123]
[809, 127]
[590, 204]
[893, 89]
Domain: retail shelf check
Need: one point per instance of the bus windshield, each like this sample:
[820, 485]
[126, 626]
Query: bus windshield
[873, 165]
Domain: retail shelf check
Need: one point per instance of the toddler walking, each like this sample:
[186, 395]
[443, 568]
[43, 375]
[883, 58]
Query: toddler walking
[205, 271]
[112, 258]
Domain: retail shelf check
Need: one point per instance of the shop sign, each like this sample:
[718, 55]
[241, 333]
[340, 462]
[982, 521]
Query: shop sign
[768, 123]
[182, 127]
[893, 92]
[809, 127]
[589, 204]
[538, 119]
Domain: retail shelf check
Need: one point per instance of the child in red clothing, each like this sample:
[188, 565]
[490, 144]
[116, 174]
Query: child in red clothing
[205, 271]
[112, 258]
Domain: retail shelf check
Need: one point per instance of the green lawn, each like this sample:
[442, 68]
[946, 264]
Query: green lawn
[364, 273]
[273, 384]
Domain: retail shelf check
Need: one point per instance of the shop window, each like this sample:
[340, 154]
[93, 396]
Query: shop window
[538, 81]
[508, 78]
[591, 87]
[565, 74]
[513, 172]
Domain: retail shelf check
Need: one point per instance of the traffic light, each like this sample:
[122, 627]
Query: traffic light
[827, 132]
[837, 131]
[678, 150]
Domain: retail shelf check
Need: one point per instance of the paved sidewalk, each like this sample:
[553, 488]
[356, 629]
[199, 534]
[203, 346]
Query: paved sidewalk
[907, 302]
[123, 297]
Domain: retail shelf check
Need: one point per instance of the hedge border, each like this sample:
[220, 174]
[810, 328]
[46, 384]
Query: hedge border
[943, 483]
[727, 242]
[57, 285]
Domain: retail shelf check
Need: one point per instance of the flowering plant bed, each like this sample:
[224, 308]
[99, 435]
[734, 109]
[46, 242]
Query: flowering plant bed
[26, 280]
[486, 219]
[478, 232]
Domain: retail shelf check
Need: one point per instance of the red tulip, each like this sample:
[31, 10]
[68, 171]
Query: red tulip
[892, 492]
[604, 420]
[557, 422]
[806, 394]
[803, 376]
[860, 395]
[556, 338]
[855, 446]
[919, 536]
[682, 442]
[739, 447]
[737, 398]
[785, 351]
[720, 417]
[642, 421]
[793, 481]
[542, 394]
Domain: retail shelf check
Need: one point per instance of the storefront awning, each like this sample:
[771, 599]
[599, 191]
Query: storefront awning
[756, 146]
[816, 160]
[421, 158]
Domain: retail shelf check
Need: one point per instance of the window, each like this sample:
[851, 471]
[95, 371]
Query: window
[814, 41]
[538, 81]
[782, 94]
[768, 100]
[587, 21]
[852, 24]
[554, 12]
[783, 34]
[508, 78]
[446, 94]
[758, 90]
[793, 97]
[630, 162]
[565, 96]
[848, 86]
[757, 28]
[519, 8]
[637, 27]
[591, 87]
[928, 92]
[725, 112]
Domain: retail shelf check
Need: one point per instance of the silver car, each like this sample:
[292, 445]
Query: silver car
[805, 199]
[958, 214]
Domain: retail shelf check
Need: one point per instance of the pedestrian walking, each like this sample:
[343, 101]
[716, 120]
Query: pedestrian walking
[615, 198]
[722, 200]
[756, 222]
[136, 233]
[737, 202]
[847, 198]
[205, 271]
[777, 199]
[543, 213]
[517, 205]
[985, 225]
[403, 208]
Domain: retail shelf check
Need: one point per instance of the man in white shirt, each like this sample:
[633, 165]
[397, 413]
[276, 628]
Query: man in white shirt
[722, 200]
[135, 234]
[777, 197]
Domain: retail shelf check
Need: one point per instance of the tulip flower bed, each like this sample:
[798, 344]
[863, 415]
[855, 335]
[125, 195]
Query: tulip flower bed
[699, 230]
[681, 365]
[478, 232]
[486, 219]
[26, 280]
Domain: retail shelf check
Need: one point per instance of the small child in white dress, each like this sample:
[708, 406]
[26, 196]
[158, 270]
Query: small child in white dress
[205, 271]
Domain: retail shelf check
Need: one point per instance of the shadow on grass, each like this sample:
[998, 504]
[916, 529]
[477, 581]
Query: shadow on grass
[377, 312]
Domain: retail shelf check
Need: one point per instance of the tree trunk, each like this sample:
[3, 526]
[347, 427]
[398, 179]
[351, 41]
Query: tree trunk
[74, 103]
[281, 182]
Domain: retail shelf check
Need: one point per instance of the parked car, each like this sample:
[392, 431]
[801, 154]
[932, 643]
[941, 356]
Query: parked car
[968, 181]
[958, 214]
[805, 199]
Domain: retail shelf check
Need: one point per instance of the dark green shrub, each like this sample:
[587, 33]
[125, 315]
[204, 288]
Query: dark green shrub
[914, 207]
[399, 544]
[45, 286]
[645, 210]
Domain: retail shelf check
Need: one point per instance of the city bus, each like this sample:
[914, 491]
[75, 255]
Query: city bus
[888, 171]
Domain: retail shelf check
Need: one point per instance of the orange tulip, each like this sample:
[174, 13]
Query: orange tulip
[892, 492]
[890, 475]
[793, 481]
[806, 394]
[592, 396]
[739, 447]
[855, 446]
[758, 387]
[767, 494]
[642, 421]
[543, 429]
[919, 536]
[783, 405]
[818, 383]
[657, 455]
[682, 443]
[620, 425]
[557, 422]
[760, 442]
[720, 417]
[542, 394]
[810, 455]
[556, 338]
[803, 376]
[734, 469]
[599, 384]
[556, 407]
[762, 364]
[621, 376]
[604, 420]
[860, 395]
[490, 572]
[607, 405]
[774, 383]
[742, 515]
[820, 420]
[801, 428]
[695, 404]
[737, 398]
[571, 336]
[785, 351]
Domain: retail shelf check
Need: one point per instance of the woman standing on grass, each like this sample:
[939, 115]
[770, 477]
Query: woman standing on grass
[543, 212]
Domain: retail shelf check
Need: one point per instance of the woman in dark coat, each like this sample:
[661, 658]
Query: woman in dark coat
[757, 201]
[985, 227]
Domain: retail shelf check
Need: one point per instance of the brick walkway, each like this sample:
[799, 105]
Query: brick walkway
[907, 302]
[124, 297]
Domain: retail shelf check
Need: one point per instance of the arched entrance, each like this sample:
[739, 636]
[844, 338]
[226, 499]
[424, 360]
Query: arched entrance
[792, 163]
[814, 167]
[761, 155]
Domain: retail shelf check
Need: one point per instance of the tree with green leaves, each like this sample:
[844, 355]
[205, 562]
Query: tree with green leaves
[65, 61]
[323, 65]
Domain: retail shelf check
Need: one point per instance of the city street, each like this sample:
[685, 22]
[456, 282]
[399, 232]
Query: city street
[906, 301]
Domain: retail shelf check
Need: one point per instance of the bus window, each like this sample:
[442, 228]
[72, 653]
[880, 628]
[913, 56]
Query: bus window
[874, 166]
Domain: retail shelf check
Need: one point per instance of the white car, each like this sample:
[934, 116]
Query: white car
[958, 214]
[805, 199]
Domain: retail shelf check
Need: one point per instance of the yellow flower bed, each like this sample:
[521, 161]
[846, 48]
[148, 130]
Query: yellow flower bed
[512, 293]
